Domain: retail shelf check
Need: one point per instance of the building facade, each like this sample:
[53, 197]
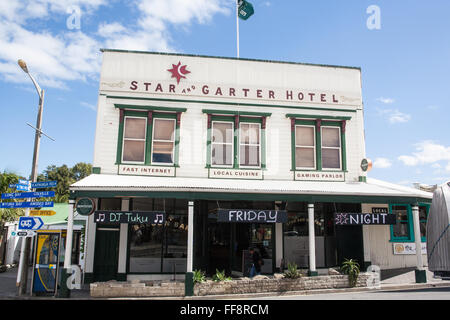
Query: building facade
[197, 159]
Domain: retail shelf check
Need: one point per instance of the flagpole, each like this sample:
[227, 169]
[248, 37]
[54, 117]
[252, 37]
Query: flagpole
[237, 27]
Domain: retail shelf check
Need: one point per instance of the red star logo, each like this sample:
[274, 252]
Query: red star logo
[178, 71]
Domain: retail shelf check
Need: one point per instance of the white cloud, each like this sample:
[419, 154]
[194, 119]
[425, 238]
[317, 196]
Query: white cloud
[394, 115]
[428, 152]
[55, 56]
[382, 163]
[88, 105]
[386, 100]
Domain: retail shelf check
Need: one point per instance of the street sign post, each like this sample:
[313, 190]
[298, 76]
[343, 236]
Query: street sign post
[30, 223]
[26, 204]
[44, 184]
[21, 195]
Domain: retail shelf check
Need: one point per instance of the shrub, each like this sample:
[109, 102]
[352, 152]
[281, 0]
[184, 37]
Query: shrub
[220, 276]
[199, 276]
[292, 272]
[351, 268]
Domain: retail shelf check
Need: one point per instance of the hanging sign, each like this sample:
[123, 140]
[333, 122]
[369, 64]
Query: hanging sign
[252, 215]
[408, 248]
[85, 206]
[130, 217]
[354, 219]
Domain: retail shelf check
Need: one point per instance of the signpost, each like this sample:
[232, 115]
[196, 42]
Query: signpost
[27, 204]
[47, 213]
[30, 223]
[21, 195]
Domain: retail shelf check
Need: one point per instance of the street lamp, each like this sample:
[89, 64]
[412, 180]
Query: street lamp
[22, 273]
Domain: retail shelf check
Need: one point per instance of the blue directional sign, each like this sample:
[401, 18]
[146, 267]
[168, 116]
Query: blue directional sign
[30, 223]
[27, 204]
[44, 184]
[20, 195]
[22, 187]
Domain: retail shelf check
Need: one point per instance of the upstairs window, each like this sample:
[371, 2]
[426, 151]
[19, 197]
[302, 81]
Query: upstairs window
[222, 144]
[163, 141]
[134, 140]
[250, 145]
[331, 148]
[305, 147]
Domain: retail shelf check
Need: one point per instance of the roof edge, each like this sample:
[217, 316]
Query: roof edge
[228, 58]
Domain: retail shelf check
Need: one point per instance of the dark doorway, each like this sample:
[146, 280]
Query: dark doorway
[349, 243]
[219, 235]
[106, 253]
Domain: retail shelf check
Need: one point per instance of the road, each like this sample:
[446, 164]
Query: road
[415, 294]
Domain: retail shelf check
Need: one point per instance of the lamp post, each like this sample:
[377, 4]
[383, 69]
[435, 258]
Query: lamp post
[22, 273]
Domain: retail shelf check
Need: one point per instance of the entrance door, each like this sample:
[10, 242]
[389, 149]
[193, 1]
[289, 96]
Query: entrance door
[219, 253]
[349, 243]
[106, 254]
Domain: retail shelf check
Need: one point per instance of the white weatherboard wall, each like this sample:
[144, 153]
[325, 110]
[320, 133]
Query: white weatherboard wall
[119, 69]
[380, 247]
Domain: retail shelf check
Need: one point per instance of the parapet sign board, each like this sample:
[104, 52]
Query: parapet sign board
[130, 217]
[251, 215]
[354, 219]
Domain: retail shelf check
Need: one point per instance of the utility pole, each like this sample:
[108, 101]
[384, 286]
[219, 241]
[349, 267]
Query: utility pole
[22, 274]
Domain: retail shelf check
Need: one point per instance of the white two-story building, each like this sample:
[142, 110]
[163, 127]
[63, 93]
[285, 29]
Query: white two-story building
[198, 158]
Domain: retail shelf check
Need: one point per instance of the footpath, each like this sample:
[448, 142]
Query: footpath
[403, 281]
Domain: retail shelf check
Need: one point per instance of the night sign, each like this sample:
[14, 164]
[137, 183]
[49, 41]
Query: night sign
[354, 219]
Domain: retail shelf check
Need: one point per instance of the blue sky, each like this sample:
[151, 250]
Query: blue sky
[405, 66]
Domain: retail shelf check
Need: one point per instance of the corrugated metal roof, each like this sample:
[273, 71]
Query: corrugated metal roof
[373, 187]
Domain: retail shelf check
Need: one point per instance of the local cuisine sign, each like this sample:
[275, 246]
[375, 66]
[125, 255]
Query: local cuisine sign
[249, 215]
[349, 219]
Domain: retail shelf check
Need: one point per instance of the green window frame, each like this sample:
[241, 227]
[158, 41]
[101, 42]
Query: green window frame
[318, 124]
[151, 116]
[409, 221]
[237, 120]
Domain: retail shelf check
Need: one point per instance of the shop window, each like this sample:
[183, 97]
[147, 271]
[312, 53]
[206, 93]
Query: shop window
[305, 147]
[222, 143]
[134, 140]
[331, 148]
[403, 230]
[159, 248]
[250, 145]
[163, 141]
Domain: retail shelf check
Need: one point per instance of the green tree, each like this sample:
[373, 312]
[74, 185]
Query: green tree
[10, 214]
[65, 177]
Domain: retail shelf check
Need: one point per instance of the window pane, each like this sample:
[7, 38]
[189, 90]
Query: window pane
[401, 229]
[133, 150]
[331, 159]
[135, 128]
[221, 154]
[162, 152]
[175, 246]
[249, 156]
[222, 132]
[145, 248]
[249, 133]
[304, 136]
[110, 204]
[304, 157]
[164, 129]
[330, 137]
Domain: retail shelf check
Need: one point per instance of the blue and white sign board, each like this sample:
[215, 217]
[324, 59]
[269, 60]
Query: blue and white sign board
[23, 233]
[19, 195]
[44, 184]
[30, 223]
[22, 187]
[27, 204]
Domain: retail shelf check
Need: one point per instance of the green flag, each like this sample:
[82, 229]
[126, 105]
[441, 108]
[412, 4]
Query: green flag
[245, 9]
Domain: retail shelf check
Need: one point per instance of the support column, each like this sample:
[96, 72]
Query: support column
[312, 242]
[189, 277]
[123, 244]
[421, 276]
[66, 272]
